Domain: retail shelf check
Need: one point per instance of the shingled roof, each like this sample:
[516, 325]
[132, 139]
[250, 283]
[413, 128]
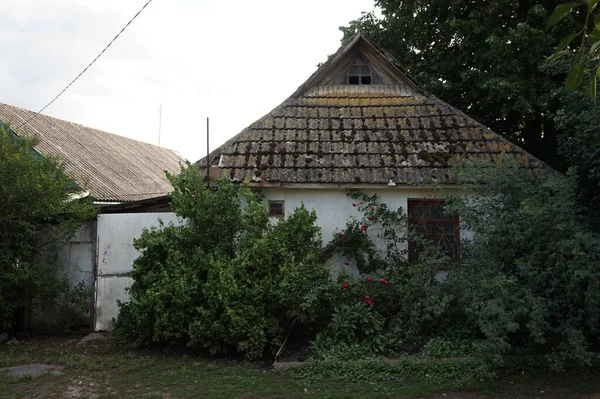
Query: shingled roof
[331, 132]
[111, 167]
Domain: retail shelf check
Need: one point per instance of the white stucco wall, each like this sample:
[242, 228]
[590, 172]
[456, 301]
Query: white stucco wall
[116, 254]
[334, 207]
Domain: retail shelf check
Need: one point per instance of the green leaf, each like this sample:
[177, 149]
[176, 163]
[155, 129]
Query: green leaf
[556, 56]
[591, 3]
[593, 36]
[594, 47]
[575, 77]
[566, 40]
[597, 21]
[560, 12]
[593, 89]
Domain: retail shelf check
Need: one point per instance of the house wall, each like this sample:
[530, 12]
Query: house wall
[74, 261]
[334, 208]
[116, 254]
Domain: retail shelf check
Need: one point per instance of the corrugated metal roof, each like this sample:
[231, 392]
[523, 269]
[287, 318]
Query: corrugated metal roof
[111, 167]
[333, 133]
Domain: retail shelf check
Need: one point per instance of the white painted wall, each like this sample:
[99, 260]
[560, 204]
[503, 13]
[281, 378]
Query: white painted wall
[116, 254]
[334, 207]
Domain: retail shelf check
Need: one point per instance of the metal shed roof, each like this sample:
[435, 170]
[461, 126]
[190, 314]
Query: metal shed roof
[110, 167]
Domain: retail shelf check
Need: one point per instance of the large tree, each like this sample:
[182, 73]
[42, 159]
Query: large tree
[35, 195]
[483, 57]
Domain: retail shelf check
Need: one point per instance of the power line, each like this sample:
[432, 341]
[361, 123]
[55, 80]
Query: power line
[87, 67]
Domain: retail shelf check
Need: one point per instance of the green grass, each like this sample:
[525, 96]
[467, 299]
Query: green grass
[106, 370]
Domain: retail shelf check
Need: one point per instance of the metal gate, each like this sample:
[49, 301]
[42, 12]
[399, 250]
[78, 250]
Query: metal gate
[114, 260]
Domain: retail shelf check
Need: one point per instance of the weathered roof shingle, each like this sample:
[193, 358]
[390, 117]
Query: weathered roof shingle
[329, 132]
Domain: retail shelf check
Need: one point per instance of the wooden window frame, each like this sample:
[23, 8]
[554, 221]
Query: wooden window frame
[412, 222]
[360, 64]
[275, 212]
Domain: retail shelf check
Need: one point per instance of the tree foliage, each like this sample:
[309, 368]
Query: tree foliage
[227, 280]
[582, 46]
[35, 195]
[580, 120]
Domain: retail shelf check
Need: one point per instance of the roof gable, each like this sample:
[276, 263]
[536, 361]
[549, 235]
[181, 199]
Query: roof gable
[333, 72]
[330, 132]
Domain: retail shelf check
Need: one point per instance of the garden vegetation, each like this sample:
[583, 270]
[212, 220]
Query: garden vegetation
[38, 211]
[230, 281]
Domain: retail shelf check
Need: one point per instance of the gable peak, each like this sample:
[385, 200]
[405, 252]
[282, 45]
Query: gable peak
[360, 62]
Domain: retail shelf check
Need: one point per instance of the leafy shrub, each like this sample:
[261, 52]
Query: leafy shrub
[398, 301]
[70, 303]
[227, 280]
[530, 277]
[355, 331]
[457, 371]
[442, 347]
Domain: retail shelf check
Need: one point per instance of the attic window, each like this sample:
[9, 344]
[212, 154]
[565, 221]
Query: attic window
[360, 73]
[276, 209]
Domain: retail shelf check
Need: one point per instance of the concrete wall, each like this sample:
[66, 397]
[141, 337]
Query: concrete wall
[74, 261]
[334, 208]
[116, 254]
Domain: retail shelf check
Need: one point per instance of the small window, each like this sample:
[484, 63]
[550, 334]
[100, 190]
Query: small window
[276, 209]
[428, 219]
[360, 73]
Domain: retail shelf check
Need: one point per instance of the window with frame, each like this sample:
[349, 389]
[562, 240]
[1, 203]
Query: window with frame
[360, 73]
[276, 209]
[428, 219]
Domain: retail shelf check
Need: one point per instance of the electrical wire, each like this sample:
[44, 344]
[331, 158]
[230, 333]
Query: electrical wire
[87, 67]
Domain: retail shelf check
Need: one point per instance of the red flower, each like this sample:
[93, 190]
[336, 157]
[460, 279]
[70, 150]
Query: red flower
[354, 205]
[346, 263]
[340, 234]
[370, 217]
[369, 279]
[367, 297]
[363, 227]
[368, 300]
[346, 285]
[372, 208]
[384, 281]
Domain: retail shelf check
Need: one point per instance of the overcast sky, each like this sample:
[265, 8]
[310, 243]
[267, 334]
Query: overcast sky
[232, 61]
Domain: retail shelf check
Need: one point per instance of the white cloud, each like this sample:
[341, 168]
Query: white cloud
[232, 61]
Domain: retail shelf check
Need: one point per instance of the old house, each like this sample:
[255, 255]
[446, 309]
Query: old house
[359, 122]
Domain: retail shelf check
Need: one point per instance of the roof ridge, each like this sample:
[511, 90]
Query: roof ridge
[25, 110]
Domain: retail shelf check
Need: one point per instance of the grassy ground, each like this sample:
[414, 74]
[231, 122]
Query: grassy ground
[106, 370]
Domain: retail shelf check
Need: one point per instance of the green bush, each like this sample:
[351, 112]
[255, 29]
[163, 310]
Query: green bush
[457, 371]
[393, 304]
[227, 280]
[528, 283]
[530, 278]
[355, 331]
[35, 204]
